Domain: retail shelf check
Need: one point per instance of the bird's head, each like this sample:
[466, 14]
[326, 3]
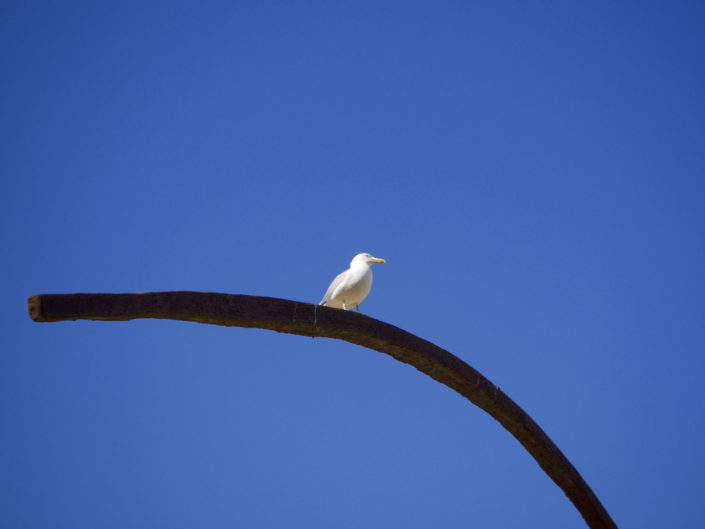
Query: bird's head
[366, 259]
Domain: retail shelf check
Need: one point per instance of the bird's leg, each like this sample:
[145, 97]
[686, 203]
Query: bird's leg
[344, 307]
[357, 308]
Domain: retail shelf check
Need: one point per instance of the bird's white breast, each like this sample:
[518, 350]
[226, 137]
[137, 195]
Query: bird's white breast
[355, 287]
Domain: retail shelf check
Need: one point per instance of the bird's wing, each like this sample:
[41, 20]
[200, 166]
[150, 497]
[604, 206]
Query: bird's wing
[331, 289]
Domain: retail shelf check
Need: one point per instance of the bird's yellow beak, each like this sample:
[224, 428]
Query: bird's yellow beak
[379, 261]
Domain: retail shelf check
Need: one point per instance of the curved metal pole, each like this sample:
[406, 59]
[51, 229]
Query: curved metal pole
[292, 317]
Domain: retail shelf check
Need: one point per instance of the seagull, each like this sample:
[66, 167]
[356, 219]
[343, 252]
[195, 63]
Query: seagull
[349, 288]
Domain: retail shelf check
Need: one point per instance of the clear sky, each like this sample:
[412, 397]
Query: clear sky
[533, 173]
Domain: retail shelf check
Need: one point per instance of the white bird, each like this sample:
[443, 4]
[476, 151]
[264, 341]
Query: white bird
[349, 288]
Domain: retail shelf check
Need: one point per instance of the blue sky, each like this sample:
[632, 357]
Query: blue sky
[533, 174]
